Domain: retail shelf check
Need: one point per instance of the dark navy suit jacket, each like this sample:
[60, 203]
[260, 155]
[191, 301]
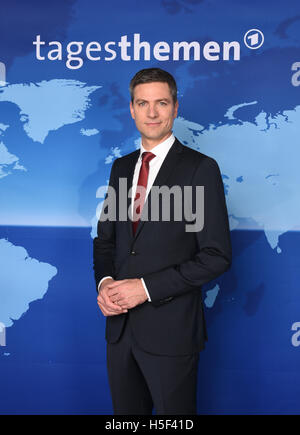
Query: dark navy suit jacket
[174, 263]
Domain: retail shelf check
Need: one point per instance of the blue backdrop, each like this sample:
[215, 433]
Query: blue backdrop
[64, 117]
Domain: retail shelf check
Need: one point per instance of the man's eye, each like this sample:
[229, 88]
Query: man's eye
[142, 103]
[162, 103]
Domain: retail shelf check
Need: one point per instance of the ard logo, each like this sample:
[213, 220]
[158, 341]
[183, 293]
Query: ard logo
[254, 39]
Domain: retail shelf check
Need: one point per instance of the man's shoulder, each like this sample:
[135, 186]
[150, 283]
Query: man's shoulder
[130, 156]
[190, 155]
[124, 160]
[195, 157]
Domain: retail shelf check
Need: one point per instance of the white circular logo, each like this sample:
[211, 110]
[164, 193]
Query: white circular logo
[254, 39]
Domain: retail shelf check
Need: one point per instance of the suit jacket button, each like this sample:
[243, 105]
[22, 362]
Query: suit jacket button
[133, 253]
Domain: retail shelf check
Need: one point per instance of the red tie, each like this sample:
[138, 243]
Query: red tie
[142, 182]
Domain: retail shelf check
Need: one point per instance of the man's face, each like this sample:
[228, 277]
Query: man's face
[154, 111]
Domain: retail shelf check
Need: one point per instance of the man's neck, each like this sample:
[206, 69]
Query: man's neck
[149, 144]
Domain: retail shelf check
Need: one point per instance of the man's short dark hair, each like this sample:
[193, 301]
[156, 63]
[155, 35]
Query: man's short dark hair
[150, 75]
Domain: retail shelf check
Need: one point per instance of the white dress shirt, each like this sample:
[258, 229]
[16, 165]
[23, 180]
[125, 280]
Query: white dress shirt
[160, 151]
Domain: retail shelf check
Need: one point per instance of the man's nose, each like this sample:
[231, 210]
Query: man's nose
[152, 111]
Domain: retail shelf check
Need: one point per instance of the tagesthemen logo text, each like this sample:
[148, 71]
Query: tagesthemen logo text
[130, 48]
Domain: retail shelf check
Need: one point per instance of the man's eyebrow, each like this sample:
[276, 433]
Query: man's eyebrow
[146, 101]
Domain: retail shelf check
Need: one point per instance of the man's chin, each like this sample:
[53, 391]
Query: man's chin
[157, 137]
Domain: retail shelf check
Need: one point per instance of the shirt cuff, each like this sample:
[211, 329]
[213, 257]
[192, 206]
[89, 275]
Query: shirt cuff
[103, 280]
[145, 288]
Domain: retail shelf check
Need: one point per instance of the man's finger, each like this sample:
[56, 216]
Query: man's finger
[108, 312]
[100, 298]
[117, 290]
[110, 304]
[112, 308]
[117, 298]
[104, 300]
[124, 304]
[116, 283]
[112, 292]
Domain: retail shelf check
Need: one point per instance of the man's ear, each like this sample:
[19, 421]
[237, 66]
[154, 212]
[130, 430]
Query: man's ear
[176, 109]
[131, 110]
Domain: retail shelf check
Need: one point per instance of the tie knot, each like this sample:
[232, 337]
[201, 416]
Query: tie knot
[147, 156]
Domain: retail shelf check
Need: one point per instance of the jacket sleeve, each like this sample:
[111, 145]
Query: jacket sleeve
[213, 256]
[104, 243]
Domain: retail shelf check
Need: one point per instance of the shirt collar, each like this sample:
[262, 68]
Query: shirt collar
[161, 149]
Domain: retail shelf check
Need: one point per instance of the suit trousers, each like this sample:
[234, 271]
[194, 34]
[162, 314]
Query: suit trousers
[140, 380]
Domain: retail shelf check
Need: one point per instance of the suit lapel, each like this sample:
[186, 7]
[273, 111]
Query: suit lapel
[171, 160]
[130, 166]
[169, 164]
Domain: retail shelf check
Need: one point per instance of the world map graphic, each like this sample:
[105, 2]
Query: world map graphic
[275, 179]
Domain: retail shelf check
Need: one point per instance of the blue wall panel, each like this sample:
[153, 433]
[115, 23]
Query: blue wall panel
[64, 118]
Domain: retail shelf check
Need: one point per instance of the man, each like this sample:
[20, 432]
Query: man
[149, 272]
